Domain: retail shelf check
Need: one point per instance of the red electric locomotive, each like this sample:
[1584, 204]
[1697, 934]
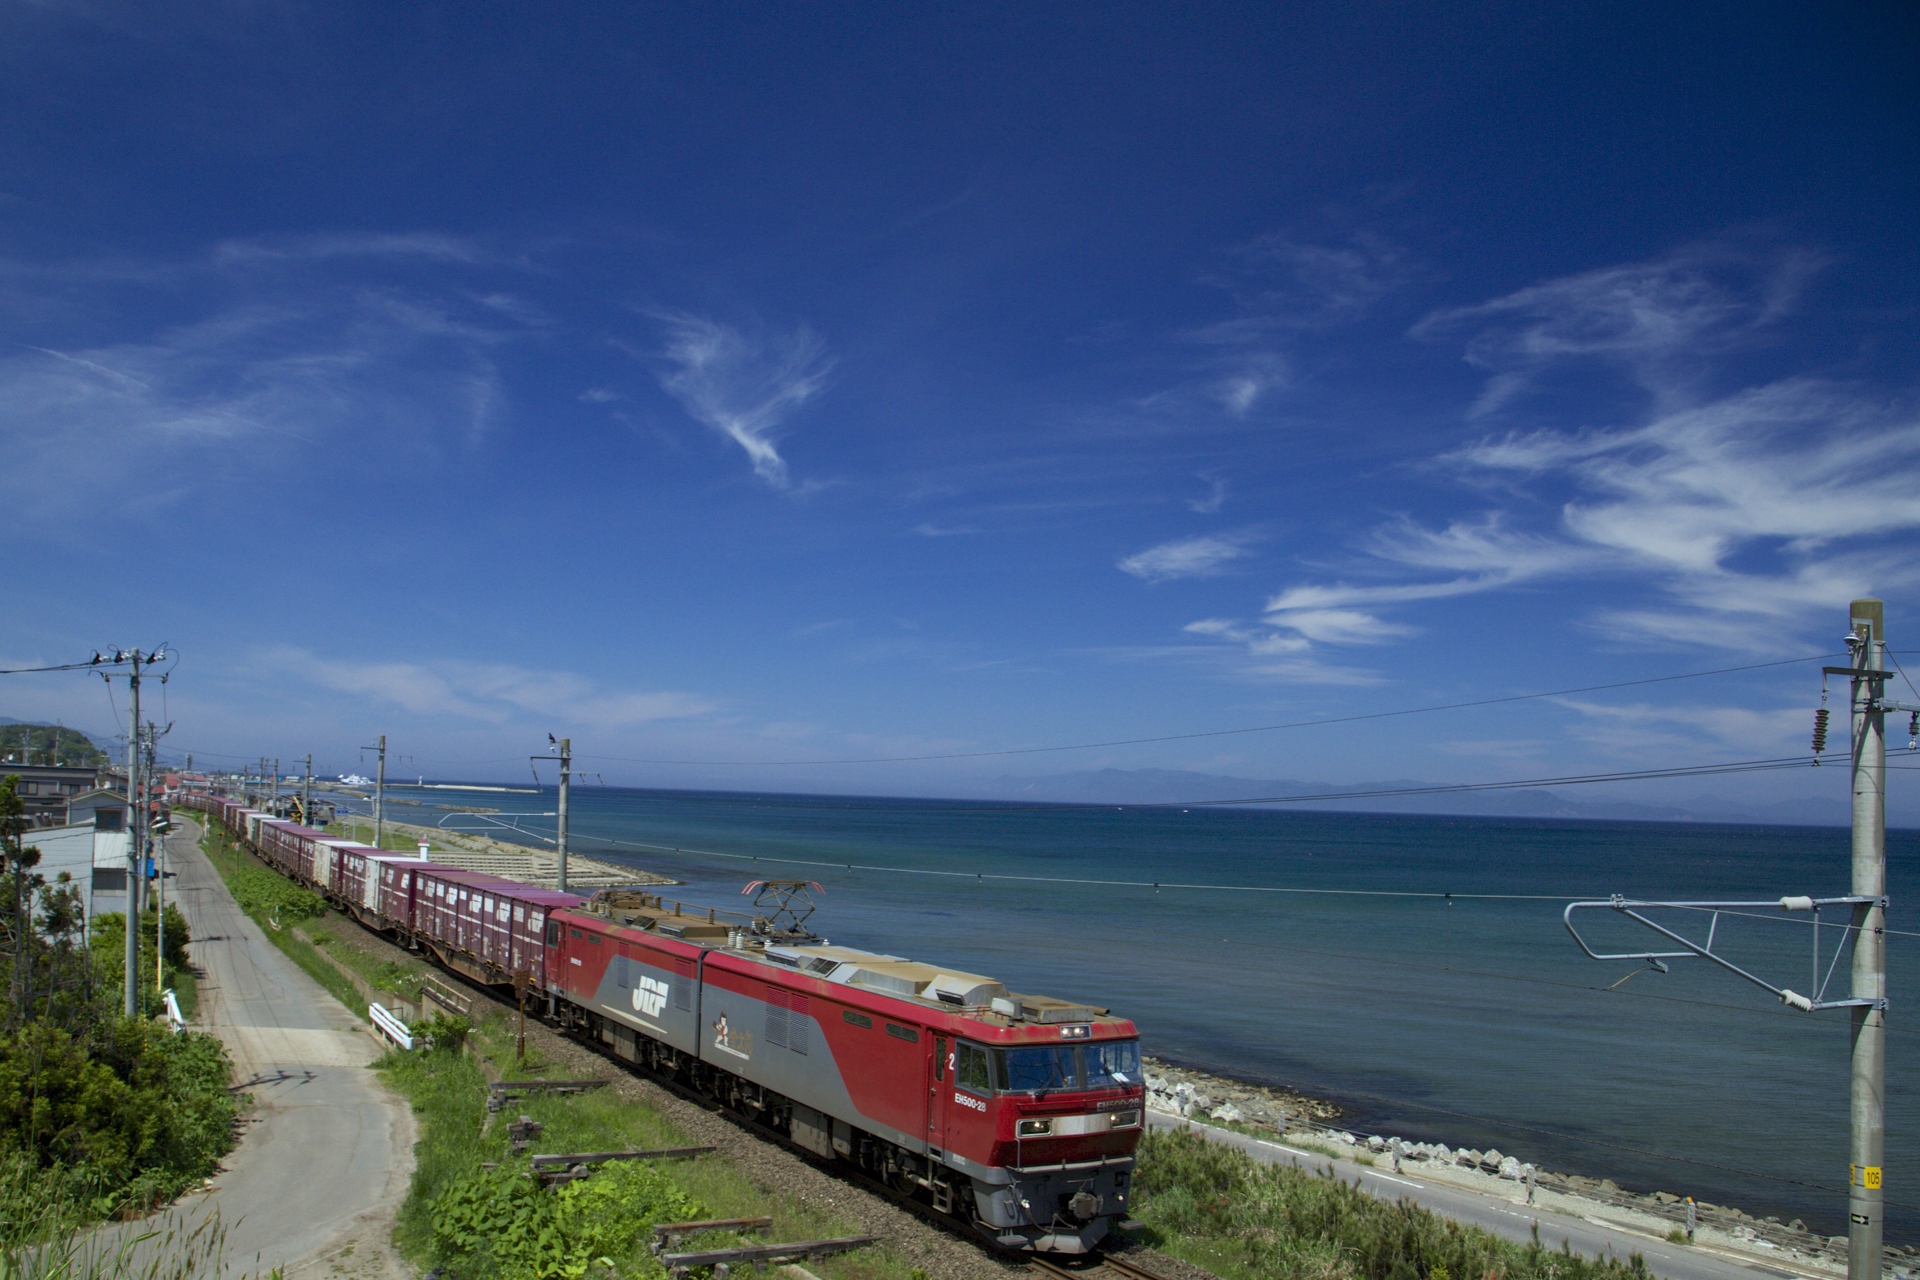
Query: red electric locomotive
[1018, 1113]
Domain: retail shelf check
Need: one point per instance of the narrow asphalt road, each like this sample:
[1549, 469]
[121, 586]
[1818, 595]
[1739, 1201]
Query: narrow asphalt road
[327, 1150]
[1510, 1219]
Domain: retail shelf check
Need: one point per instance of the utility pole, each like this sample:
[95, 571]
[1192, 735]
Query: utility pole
[560, 847]
[306, 793]
[159, 882]
[1867, 906]
[1868, 641]
[379, 790]
[136, 826]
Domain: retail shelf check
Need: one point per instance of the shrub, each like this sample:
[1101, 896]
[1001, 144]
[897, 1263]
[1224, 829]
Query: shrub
[444, 1033]
[131, 1114]
[502, 1224]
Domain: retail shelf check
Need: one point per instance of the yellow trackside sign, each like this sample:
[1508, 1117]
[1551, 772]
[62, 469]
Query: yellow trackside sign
[1867, 1176]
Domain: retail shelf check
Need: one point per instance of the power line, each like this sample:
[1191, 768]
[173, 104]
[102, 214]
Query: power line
[1518, 784]
[1223, 733]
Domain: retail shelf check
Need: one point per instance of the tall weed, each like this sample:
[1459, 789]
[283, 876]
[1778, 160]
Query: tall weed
[1219, 1208]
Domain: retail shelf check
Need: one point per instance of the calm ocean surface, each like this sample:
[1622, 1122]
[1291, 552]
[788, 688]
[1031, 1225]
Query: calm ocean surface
[1476, 1023]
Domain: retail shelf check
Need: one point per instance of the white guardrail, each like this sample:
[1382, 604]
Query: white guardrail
[175, 1022]
[390, 1026]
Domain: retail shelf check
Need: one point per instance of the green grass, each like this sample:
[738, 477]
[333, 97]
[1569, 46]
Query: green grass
[448, 1096]
[341, 939]
[1214, 1206]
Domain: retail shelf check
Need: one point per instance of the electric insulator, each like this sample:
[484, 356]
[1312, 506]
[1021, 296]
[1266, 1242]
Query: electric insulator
[1819, 731]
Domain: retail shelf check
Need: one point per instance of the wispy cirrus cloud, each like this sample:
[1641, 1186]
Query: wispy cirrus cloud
[1662, 322]
[1205, 556]
[744, 387]
[235, 347]
[1283, 289]
[490, 692]
[1728, 517]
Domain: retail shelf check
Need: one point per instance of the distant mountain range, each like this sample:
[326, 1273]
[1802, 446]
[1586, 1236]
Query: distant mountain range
[1172, 786]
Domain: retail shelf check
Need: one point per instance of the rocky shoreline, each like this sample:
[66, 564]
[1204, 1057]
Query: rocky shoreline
[1315, 1124]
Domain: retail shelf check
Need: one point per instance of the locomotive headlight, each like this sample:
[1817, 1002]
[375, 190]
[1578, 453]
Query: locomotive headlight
[1125, 1119]
[1034, 1128]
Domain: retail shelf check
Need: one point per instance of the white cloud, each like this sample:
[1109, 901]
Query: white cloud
[491, 692]
[1745, 514]
[1339, 626]
[1199, 557]
[745, 388]
[1215, 499]
[1660, 321]
[283, 358]
[1758, 731]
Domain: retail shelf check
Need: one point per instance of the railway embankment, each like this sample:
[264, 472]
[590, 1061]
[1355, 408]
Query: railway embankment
[1314, 1124]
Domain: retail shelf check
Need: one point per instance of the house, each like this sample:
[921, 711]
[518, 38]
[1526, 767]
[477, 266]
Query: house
[46, 788]
[91, 857]
[99, 807]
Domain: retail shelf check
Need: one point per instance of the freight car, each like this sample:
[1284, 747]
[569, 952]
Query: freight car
[1018, 1114]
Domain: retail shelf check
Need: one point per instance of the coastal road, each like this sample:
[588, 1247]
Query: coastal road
[1505, 1218]
[327, 1150]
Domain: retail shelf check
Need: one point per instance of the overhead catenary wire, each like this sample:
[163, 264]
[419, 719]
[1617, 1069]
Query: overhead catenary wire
[1223, 733]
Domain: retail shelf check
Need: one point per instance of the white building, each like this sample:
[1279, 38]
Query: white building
[92, 856]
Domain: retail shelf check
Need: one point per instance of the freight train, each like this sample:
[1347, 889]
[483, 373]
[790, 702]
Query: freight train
[1017, 1114]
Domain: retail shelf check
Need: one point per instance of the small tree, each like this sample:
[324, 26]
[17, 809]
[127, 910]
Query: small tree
[19, 858]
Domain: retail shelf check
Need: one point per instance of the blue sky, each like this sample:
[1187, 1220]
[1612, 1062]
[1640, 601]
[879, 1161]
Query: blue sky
[754, 384]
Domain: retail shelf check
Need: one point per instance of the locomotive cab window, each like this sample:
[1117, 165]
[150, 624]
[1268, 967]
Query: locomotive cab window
[1113, 1064]
[553, 933]
[971, 1069]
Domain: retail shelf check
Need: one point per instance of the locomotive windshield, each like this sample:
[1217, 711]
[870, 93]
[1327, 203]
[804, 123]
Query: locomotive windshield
[1106, 1065]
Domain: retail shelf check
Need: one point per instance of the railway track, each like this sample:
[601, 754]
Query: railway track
[1099, 1265]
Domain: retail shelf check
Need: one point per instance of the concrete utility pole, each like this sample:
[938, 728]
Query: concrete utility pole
[306, 793]
[136, 826]
[560, 846]
[159, 881]
[1868, 641]
[379, 790]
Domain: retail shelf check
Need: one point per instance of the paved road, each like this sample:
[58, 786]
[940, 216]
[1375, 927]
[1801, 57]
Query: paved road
[1510, 1219]
[327, 1152]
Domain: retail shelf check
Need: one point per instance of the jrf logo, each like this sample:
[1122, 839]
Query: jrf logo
[650, 997]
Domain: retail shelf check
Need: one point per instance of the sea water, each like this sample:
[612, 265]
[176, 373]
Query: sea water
[1473, 1020]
